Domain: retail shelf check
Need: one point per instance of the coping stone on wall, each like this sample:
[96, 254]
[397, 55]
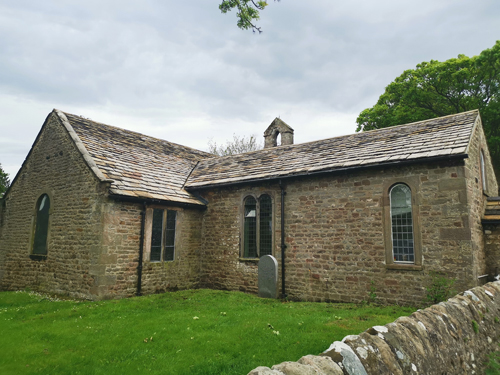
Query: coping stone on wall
[452, 337]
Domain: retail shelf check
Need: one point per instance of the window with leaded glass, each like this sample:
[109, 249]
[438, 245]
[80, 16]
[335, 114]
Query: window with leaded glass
[266, 225]
[402, 224]
[257, 226]
[41, 225]
[163, 235]
[250, 228]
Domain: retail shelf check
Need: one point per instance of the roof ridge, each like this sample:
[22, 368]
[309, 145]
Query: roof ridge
[418, 122]
[433, 139]
[356, 134]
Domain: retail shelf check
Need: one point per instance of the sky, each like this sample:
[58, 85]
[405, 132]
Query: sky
[184, 72]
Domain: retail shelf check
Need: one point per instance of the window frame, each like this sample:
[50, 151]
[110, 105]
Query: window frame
[34, 254]
[259, 239]
[482, 171]
[149, 232]
[416, 265]
[404, 228]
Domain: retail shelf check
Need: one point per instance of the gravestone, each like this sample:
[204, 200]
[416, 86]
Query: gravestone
[268, 277]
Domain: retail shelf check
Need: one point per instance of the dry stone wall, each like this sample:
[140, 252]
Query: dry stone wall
[449, 338]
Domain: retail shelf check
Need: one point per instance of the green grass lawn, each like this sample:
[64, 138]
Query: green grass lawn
[186, 332]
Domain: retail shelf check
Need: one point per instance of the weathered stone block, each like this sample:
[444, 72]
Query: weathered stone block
[455, 184]
[455, 234]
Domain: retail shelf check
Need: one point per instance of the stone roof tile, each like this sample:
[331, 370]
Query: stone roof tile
[138, 165]
[444, 136]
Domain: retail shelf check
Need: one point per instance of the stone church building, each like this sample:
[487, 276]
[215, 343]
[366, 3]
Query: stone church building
[101, 212]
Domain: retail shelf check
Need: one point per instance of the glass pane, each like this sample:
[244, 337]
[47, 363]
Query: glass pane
[402, 224]
[42, 225]
[266, 225]
[250, 229]
[170, 235]
[156, 233]
[483, 171]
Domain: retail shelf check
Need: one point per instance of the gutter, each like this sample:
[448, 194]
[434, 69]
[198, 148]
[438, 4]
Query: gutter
[331, 171]
[124, 198]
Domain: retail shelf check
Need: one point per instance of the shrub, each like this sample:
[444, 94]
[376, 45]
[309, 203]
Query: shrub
[440, 288]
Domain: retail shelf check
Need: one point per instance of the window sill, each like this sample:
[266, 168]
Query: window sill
[38, 257]
[249, 260]
[401, 266]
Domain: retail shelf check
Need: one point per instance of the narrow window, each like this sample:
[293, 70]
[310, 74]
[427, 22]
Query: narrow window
[156, 235]
[170, 235]
[41, 225]
[266, 226]
[483, 172]
[402, 224]
[250, 230]
[258, 227]
[163, 235]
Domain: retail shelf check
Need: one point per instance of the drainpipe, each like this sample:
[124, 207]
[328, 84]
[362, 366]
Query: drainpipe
[141, 250]
[283, 246]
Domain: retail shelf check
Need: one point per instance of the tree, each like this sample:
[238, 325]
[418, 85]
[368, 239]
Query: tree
[4, 181]
[437, 89]
[247, 12]
[237, 146]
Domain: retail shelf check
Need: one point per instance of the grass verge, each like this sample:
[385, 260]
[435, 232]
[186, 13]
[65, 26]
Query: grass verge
[187, 332]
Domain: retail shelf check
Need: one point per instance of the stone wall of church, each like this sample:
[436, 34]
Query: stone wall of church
[184, 271]
[222, 266]
[54, 167]
[117, 272]
[477, 198]
[334, 229]
[492, 248]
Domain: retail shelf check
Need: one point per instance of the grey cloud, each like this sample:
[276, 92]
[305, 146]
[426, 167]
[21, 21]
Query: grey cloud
[166, 66]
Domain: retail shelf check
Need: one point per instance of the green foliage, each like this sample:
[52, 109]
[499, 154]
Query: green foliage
[437, 89]
[440, 288]
[4, 181]
[247, 12]
[475, 326]
[493, 365]
[237, 146]
[186, 332]
[372, 295]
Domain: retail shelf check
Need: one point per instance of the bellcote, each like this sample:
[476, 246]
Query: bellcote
[276, 128]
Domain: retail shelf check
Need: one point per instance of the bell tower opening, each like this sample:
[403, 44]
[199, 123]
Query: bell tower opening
[278, 134]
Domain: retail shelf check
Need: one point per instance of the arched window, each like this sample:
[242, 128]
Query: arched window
[257, 226]
[250, 228]
[403, 249]
[483, 172]
[41, 225]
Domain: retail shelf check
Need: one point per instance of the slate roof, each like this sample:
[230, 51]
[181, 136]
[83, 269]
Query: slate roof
[447, 136]
[140, 166]
[136, 165]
